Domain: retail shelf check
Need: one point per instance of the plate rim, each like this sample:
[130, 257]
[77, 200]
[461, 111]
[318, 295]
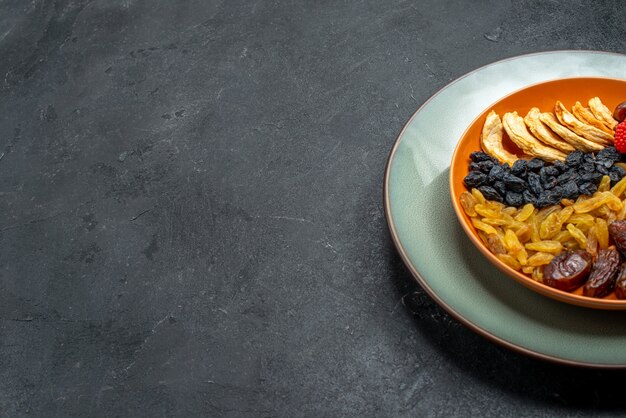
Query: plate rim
[416, 274]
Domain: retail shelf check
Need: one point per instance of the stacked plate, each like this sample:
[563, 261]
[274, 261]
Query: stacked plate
[440, 255]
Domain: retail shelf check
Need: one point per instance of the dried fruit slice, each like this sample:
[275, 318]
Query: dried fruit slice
[516, 129]
[568, 136]
[581, 128]
[602, 112]
[491, 139]
[543, 133]
[585, 115]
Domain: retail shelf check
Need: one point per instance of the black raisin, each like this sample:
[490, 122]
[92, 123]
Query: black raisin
[548, 182]
[500, 187]
[514, 183]
[605, 163]
[616, 174]
[496, 173]
[608, 154]
[587, 188]
[529, 197]
[588, 167]
[549, 170]
[519, 168]
[570, 190]
[561, 166]
[590, 177]
[490, 193]
[514, 199]
[479, 156]
[475, 179]
[589, 158]
[535, 164]
[567, 176]
[482, 166]
[534, 182]
[602, 169]
[574, 158]
[548, 198]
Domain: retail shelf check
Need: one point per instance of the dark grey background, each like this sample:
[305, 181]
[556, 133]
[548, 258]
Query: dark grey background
[191, 216]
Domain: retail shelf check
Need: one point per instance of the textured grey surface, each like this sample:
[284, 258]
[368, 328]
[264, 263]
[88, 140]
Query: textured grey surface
[191, 216]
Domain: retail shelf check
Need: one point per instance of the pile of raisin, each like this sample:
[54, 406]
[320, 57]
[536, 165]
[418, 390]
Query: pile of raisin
[540, 183]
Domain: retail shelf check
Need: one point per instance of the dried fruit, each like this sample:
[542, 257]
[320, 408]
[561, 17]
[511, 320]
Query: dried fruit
[620, 112]
[525, 213]
[491, 139]
[578, 235]
[475, 179]
[510, 261]
[553, 247]
[568, 271]
[603, 274]
[495, 244]
[468, 201]
[617, 232]
[488, 229]
[620, 283]
[602, 233]
[540, 259]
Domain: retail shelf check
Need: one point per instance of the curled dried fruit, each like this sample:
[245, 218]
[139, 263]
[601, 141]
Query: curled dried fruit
[468, 202]
[480, 225]
[525, 213]
[605, 184]
[540, 259]
[595, 202]
[578, 235]
[549, 227]
[603, 274]
[510, 261]
[478, 196]
[568, 271]
[515, 247]
[619, 188]
[486, 211]
[495, 244]
[523, 234]
[602, 233]
[553, 247]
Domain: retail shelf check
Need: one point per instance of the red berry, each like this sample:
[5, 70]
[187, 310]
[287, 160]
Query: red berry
[620, 137]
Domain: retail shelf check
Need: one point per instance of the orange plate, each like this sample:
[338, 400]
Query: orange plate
[542, 95]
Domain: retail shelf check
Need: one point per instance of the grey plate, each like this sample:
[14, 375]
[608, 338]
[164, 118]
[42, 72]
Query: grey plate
[439, 254]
